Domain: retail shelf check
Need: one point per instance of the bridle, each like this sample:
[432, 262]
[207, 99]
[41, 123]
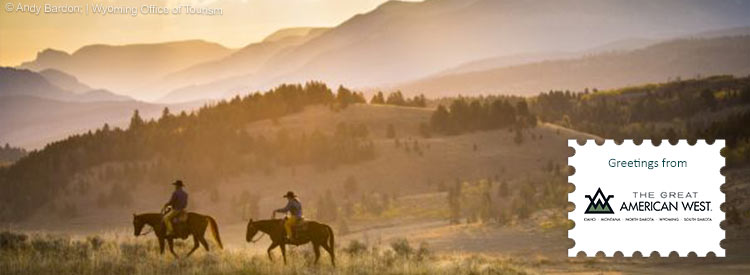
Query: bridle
[150, 227]
[149, 230]
[258, 239]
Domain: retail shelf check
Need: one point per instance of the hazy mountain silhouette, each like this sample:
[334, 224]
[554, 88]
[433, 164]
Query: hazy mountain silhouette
[65, 81]
[34, 111]
[622, 45]
[244, 61]
[739, 31]
[21, 82]
[519, 59]
[127, 69]
[504, 61]
[25, 82]
[402, 41]
[685, 58]
[32, 122]
[283, 34]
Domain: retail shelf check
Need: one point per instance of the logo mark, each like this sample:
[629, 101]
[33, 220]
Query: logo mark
[599, 204]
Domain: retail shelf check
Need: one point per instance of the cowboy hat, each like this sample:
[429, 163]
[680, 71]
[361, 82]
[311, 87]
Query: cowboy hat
[290, 194]
[178, 183]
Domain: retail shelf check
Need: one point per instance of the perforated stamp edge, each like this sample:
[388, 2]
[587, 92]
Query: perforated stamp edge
[715, 248]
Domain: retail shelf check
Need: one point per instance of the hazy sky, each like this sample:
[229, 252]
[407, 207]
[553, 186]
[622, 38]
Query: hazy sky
[22, 35]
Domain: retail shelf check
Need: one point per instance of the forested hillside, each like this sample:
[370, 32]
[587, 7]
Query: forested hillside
[709, 108]
[715, 107]
[204, 146]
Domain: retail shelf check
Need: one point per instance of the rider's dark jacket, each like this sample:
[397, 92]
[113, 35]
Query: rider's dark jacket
[179, 200]
[294, 207]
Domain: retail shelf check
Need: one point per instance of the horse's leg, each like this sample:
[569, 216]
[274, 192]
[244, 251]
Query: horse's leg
[161, 246]
[273, 245]
[171, 247]
[330, 253]
[283, 251]
[316, 249]
[196, 244]
[203, 241]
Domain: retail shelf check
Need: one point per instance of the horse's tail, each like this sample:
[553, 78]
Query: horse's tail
[330, 240]
[214, 230]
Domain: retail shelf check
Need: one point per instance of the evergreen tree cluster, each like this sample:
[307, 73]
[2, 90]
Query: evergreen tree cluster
[9, 154]
[398, 99]
[346, 97]
[465, 115]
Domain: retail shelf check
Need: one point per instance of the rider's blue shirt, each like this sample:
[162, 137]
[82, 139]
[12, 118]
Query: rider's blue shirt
[179, 200]
[294, 207]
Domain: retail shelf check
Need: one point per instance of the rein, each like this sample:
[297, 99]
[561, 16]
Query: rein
[258, 239]
[144, 234]
[262, 233]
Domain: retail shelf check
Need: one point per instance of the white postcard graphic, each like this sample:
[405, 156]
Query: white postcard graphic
[647, 198]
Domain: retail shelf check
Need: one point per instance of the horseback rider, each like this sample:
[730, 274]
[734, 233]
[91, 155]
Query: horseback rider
[178, 203]
[294, 210]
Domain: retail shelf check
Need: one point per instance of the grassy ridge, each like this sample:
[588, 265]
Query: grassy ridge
[54, 254]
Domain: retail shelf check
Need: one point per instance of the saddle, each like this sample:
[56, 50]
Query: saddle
[300, 227]
[179, 224]
[180, 218]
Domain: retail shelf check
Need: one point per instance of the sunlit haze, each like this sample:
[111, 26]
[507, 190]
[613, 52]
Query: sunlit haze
[243, 22]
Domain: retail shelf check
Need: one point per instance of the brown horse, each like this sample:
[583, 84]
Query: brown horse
[196, 225]
[318, 233]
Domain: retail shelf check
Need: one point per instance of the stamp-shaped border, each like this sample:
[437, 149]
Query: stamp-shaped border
[714, 238]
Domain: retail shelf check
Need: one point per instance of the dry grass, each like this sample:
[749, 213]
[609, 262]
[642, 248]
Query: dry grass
[58, 254]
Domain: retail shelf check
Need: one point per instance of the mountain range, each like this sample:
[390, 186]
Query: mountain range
[683, 58]
[435, 47]
[397, 42]
[127, 69]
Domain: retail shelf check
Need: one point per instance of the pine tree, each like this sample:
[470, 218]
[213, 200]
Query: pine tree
[378, 98]
[136, 122]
